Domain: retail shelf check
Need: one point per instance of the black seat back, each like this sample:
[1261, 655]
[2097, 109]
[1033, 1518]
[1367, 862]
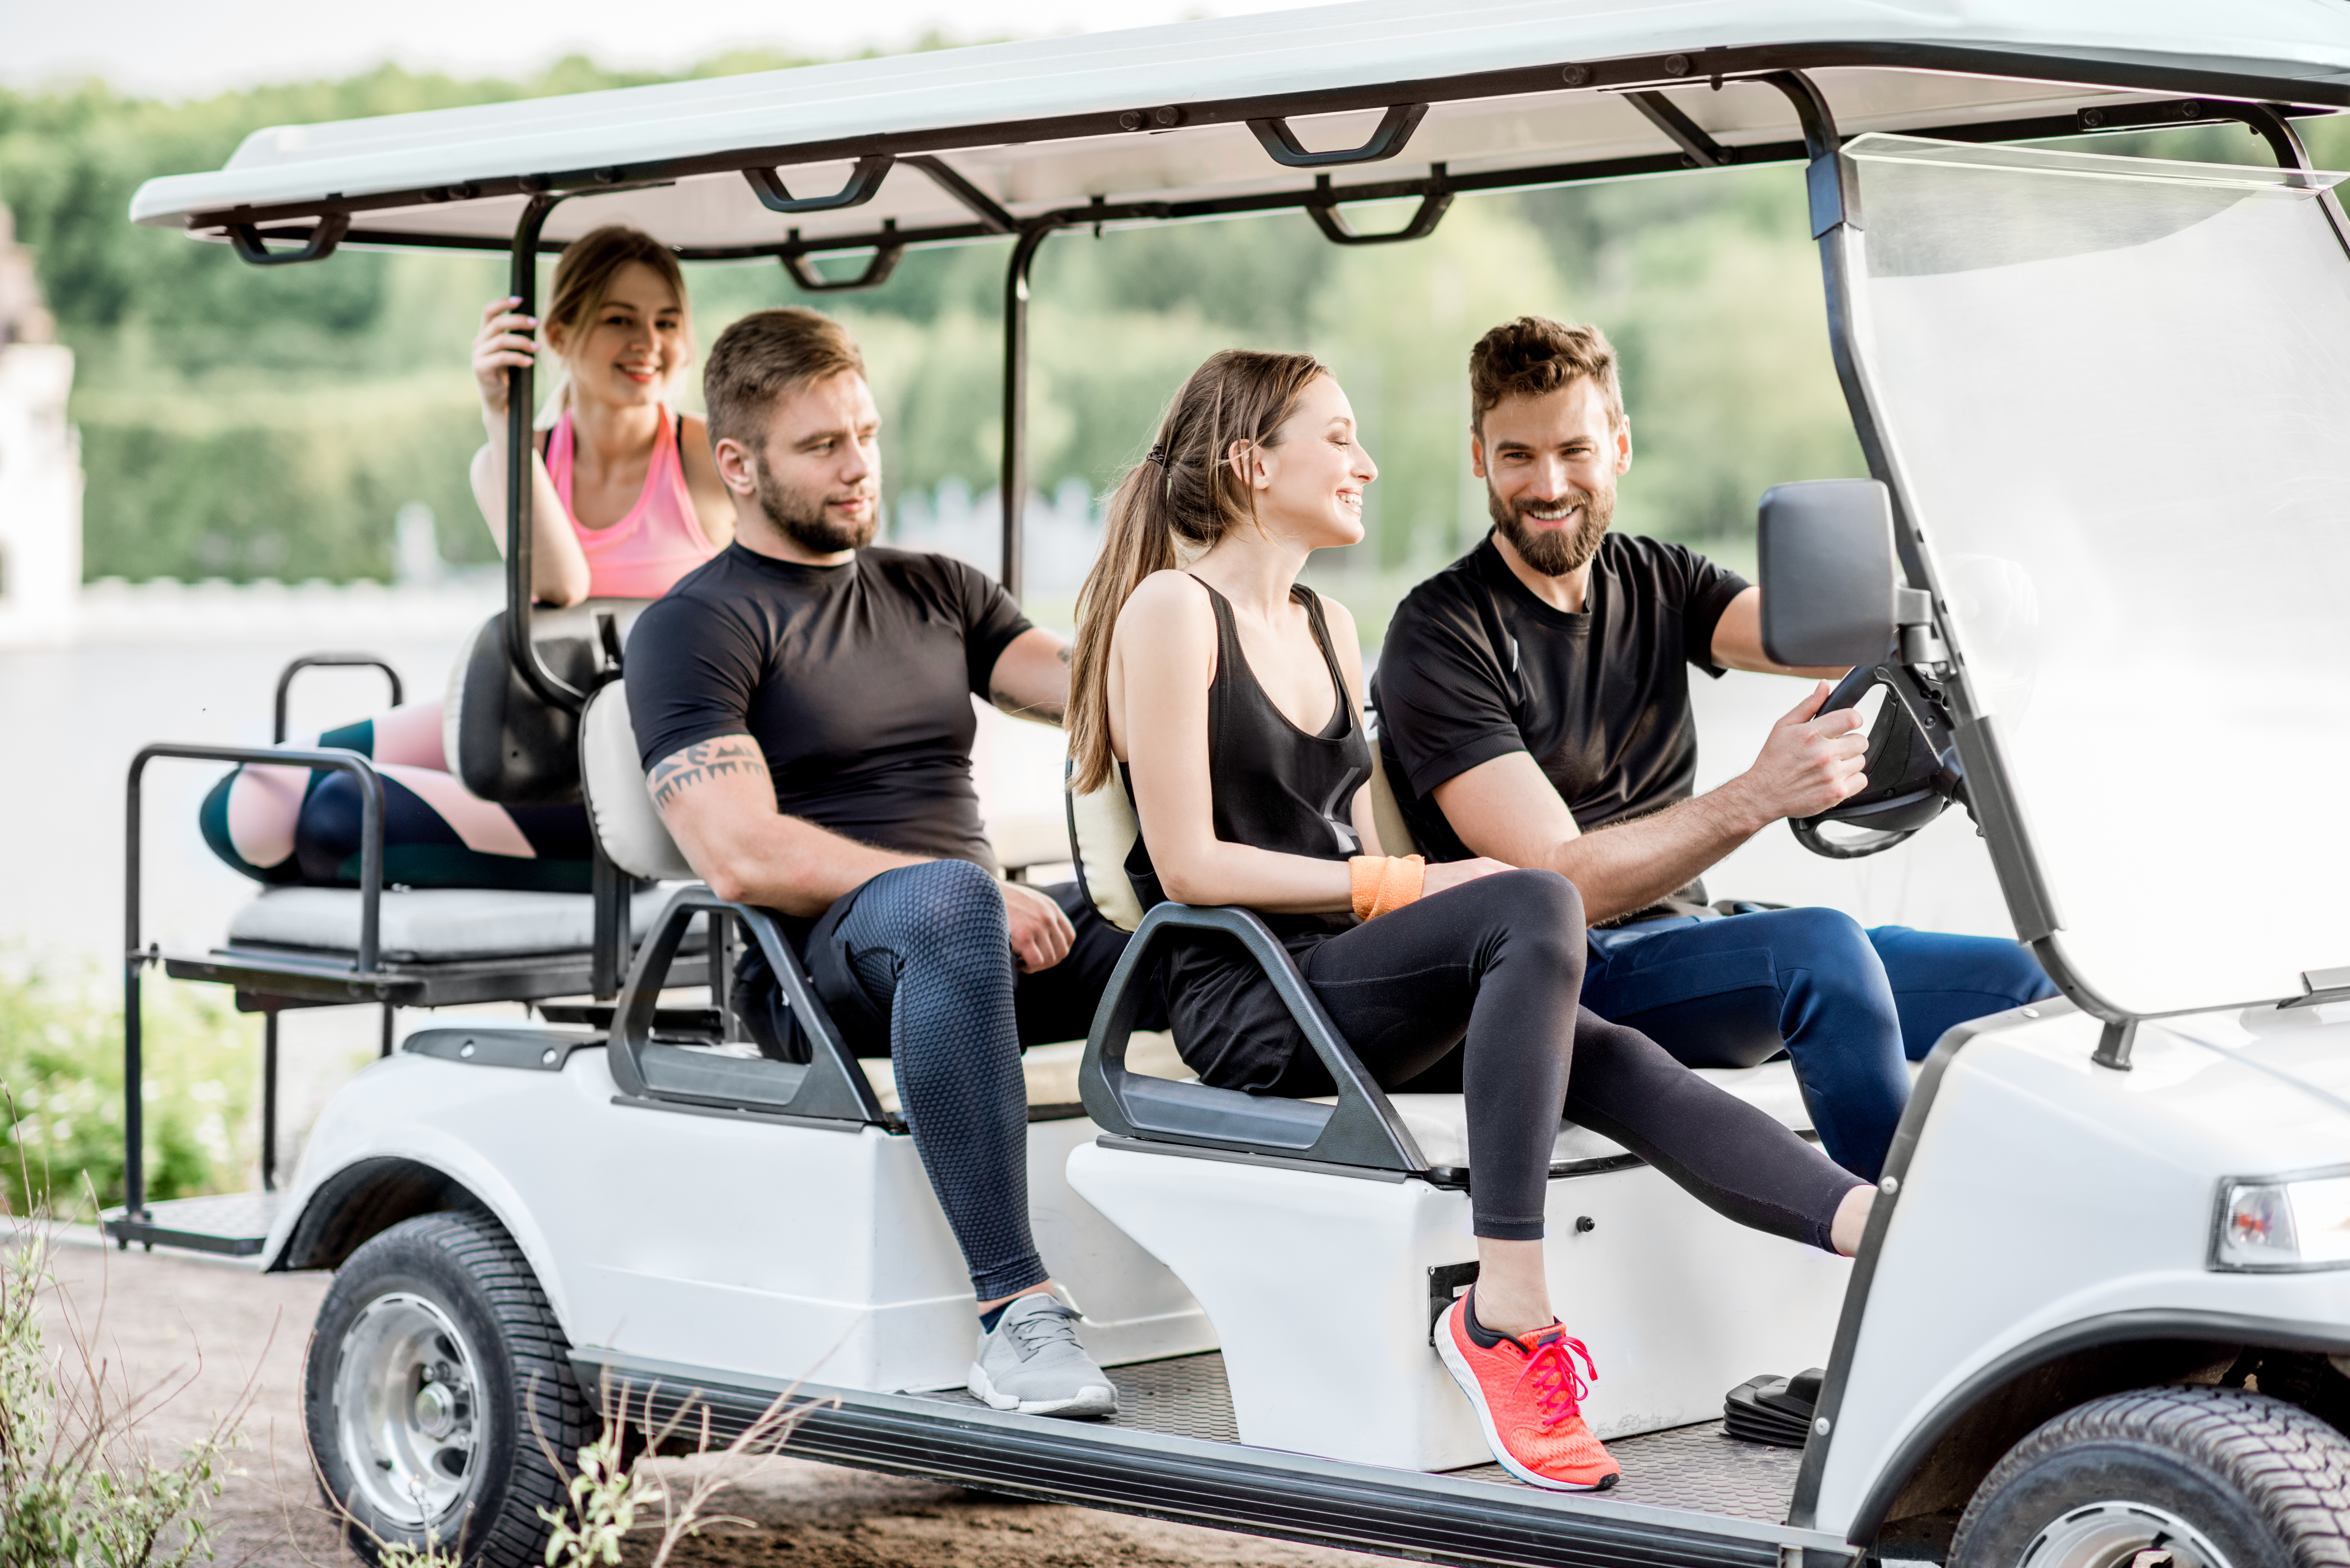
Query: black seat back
[507, 743]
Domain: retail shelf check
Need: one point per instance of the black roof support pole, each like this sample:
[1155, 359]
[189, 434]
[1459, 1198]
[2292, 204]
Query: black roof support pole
[521, 652]
[1013, 478]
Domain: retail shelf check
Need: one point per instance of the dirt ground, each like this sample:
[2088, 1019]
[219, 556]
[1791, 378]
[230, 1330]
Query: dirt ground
[216, 1332]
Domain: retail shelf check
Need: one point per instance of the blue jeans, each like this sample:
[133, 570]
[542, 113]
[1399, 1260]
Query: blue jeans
[1848, 1005]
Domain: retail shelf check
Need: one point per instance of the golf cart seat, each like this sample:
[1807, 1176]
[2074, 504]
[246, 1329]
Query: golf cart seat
[632, 834]
[433, 925]
[1323, 1236]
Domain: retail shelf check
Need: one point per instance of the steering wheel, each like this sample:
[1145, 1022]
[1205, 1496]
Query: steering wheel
[1912, 765]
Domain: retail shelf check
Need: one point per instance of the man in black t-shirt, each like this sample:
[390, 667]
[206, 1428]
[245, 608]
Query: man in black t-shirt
[1533, 707]
[803, 706]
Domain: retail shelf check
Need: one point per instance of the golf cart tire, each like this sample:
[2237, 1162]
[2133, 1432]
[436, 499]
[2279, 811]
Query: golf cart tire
[2266, 1483]
[464, 1267]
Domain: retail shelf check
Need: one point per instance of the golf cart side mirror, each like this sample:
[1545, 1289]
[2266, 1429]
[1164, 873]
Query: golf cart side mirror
[1828, 572]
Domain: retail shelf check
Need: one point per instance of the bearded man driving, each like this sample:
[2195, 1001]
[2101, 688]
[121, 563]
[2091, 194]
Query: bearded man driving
[1534, 708]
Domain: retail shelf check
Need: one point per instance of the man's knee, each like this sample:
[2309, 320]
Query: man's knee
[1831, 949]
[950, 904]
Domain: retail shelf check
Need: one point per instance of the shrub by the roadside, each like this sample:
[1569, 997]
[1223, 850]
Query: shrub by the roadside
[79, 1481]
[61, 1091]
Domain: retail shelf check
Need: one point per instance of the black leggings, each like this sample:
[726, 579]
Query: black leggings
[1494, 968]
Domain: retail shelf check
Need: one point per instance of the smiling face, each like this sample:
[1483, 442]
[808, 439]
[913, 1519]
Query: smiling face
[628, 349]
[817, 476]
[1550, 466]
[1309, 487]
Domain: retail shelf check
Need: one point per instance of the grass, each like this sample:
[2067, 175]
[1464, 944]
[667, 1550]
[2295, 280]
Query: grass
[61, 1091]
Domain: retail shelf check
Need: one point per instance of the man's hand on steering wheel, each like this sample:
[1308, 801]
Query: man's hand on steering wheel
[1812, 762]
[1041, 933]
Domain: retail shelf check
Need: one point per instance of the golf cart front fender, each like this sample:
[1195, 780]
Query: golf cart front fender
[2045, 1236]
[385, 1150]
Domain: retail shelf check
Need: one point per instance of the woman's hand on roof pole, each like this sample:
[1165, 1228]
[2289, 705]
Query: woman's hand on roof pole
[502, 343]
[1452, 873]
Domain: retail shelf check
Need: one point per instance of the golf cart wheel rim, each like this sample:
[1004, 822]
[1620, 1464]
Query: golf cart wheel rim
[2112, 1534]
[408, 1412]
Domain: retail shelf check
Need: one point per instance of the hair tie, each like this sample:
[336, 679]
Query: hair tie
[1157, 454]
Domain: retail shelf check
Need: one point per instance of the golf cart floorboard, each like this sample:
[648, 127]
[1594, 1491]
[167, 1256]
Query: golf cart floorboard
[1692, 1497]
[1701, 1466]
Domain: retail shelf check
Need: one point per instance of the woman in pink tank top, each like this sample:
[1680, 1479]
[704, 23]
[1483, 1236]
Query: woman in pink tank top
[626, 501]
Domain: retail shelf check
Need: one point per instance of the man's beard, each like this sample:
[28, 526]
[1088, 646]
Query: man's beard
[1554, 552]
[801, 514]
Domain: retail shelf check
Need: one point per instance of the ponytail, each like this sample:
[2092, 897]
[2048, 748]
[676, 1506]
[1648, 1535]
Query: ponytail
[1171, 507]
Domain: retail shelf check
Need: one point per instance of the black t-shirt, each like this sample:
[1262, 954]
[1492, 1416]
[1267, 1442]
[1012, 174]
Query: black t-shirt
[1475, 666]
[856, 682]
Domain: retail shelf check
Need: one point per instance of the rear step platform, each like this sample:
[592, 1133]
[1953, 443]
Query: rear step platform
[1688, 1495]
[232, 1224]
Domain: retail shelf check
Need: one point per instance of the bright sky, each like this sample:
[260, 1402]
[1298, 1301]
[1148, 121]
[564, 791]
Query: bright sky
[186, 48]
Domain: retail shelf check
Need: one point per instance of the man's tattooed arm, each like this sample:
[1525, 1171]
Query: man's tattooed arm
[673, 775]
[1047, 710]
[1043, 712]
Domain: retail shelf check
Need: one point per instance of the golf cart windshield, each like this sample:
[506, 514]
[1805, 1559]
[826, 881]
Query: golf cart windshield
[2116, 392]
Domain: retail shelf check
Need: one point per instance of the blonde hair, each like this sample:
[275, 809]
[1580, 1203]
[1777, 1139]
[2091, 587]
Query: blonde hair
[583, 279]
[1188, 493]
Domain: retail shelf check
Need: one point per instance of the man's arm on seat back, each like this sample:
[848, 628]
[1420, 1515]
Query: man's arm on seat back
[1031, 678]
[719, 802]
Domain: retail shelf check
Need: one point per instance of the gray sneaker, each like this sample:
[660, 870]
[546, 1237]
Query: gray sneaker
[1031, 1363]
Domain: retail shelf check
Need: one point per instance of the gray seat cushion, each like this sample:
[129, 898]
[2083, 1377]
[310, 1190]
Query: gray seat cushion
[429, 925]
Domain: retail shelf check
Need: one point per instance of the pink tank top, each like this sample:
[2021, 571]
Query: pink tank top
[661, 539]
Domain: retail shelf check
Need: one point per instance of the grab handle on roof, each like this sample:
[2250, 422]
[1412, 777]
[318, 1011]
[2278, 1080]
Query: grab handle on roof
[863, 181]
[1395, 129]
[1435, 199]
[328, 233]
[877, 271]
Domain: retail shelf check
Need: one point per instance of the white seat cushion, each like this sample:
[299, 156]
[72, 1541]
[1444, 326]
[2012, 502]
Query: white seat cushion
[612, 780]
[429, 925]
[1440, 1123]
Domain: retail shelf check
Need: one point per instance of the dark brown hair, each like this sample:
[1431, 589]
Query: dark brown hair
[762, 357]
[1533, 355]
[1190, 491]
[584, 275]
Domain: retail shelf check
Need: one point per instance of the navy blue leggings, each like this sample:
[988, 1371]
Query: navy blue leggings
[1849, 1005]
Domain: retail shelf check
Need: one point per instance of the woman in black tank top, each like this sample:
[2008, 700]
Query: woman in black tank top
[1228, 696]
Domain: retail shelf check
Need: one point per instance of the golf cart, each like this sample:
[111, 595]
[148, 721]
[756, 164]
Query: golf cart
[2101, 1316]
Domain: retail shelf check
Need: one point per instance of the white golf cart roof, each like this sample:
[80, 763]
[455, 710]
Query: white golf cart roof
[1158, 116]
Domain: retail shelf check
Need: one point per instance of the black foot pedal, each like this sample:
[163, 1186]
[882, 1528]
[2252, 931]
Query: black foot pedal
[1775, 1410]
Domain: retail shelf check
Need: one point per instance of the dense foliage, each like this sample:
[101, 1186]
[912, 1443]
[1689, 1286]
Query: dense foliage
[61, 1092]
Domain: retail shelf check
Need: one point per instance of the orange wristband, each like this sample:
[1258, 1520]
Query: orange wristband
[1382, 883]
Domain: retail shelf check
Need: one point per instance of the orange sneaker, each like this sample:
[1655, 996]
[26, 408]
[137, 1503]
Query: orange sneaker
[1528, 1395]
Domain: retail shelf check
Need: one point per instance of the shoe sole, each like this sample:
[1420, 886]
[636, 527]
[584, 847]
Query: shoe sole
[1463, 1376]
[1093, 1400]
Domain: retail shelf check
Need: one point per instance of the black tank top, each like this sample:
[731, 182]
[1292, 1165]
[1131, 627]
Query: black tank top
[1274, 787]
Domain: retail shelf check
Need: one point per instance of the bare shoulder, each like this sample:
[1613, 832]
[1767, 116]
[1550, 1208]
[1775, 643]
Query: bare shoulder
[1166, 602]
[1341, 621]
